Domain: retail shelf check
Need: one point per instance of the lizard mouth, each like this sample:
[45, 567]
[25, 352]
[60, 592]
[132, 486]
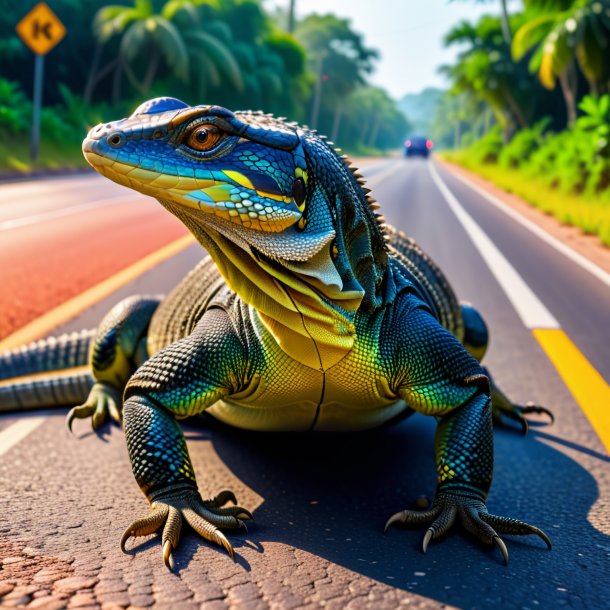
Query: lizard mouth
[228, 199]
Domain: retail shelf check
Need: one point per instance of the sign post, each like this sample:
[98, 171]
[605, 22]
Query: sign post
[40, 30]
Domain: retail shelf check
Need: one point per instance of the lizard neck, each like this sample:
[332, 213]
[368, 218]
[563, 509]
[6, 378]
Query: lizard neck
[303, 304]
[361, 255]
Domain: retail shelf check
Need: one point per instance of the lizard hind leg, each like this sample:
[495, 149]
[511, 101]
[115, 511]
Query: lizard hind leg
[118, 350]
[476, 335]
[503, 408]
[476, 339]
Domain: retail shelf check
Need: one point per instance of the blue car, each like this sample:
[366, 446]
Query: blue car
[418, 146]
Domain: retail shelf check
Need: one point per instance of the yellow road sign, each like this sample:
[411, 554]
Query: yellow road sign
[41, 29]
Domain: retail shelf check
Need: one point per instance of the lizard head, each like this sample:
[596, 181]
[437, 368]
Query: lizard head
[243, 175]
[286, 220]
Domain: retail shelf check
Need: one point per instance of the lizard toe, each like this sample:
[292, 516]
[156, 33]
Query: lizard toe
[170, 511]
[103, 401]
[450, 508]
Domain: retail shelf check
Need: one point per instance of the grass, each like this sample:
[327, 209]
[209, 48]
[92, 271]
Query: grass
[15, 156]
[590, 214]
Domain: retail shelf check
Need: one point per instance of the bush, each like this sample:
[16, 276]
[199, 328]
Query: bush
[578, 159]
[523, 144]
[15, 109]
[563, 160]
[487, 149]
[566, 174]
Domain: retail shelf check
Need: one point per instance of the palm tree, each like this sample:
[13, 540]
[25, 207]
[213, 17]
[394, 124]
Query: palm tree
[485, 71]
[211, 50]
[145, 33]
[341, 62]
[505, 20]
[563, 32]
[174, 36]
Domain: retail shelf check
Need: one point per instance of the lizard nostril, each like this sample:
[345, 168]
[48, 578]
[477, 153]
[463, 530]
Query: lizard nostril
[116, 140]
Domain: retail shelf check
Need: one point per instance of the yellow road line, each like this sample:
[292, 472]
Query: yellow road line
[587, 386]
[61, 314]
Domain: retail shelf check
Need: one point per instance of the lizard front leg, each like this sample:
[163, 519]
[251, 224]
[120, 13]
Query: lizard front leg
[439, 378]
[117, 351]
[179, 381]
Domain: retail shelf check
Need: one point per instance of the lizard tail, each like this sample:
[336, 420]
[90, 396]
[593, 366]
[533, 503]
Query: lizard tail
[47, 373]
[61, 388]
[50, 354]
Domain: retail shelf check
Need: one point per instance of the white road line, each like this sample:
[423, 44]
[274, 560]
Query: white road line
[574, 256]
[531, 310]
[16, 223]
[16, 432]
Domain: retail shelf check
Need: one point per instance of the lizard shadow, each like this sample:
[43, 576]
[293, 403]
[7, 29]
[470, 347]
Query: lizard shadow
[330, 495]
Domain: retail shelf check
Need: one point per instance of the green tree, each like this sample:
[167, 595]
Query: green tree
[371, 122]
[339, 60]
[459, 116]
[505, 19]
[563, 33]
[486, 71]
[272, 62]
[175, 36]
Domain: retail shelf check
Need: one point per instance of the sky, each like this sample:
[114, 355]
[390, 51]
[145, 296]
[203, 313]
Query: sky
[408, 34]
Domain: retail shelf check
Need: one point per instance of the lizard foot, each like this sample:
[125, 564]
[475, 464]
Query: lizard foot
[204, 516]
[472, 514]
[517, 413]
[103, 400]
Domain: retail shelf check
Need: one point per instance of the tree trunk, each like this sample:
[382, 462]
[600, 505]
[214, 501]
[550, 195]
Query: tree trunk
[151, 71]
[375, 124]
[506, 32]
[291, 16]
[133, 79]
[488, 117]
[112, 65]
[515, 110]
[92, 78]
[317, 95]
[457, 136]
[569, 96]
[116, 84]
[593, 88]
[336, 123]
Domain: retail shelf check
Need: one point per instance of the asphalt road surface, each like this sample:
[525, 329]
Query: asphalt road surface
[320, 501]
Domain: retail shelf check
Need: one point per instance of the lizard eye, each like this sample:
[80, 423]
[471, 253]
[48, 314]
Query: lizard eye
[204, 137]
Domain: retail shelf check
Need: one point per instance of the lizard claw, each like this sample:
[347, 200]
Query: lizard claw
[472, 513]
[427, 539]
[502, 548]
[168, 559]
[104, 400]
[517, 413]
[205, 517]
[530, 407]
[504, 407]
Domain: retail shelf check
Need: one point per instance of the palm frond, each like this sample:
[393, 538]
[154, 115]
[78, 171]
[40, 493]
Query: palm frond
[134, 40]
[172, 46]
[530, 34]
[220, 54]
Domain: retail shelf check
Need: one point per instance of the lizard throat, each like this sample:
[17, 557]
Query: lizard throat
[302, 304]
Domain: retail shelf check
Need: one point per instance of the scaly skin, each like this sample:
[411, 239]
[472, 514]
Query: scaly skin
[315, 316]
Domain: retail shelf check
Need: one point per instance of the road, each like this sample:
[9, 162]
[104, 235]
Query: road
[320, 501]
[66, 235]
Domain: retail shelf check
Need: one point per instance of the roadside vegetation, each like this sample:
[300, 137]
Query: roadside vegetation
[228, 52]
[529, 107]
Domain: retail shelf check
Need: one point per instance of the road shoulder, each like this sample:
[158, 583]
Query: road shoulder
[588, 246]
